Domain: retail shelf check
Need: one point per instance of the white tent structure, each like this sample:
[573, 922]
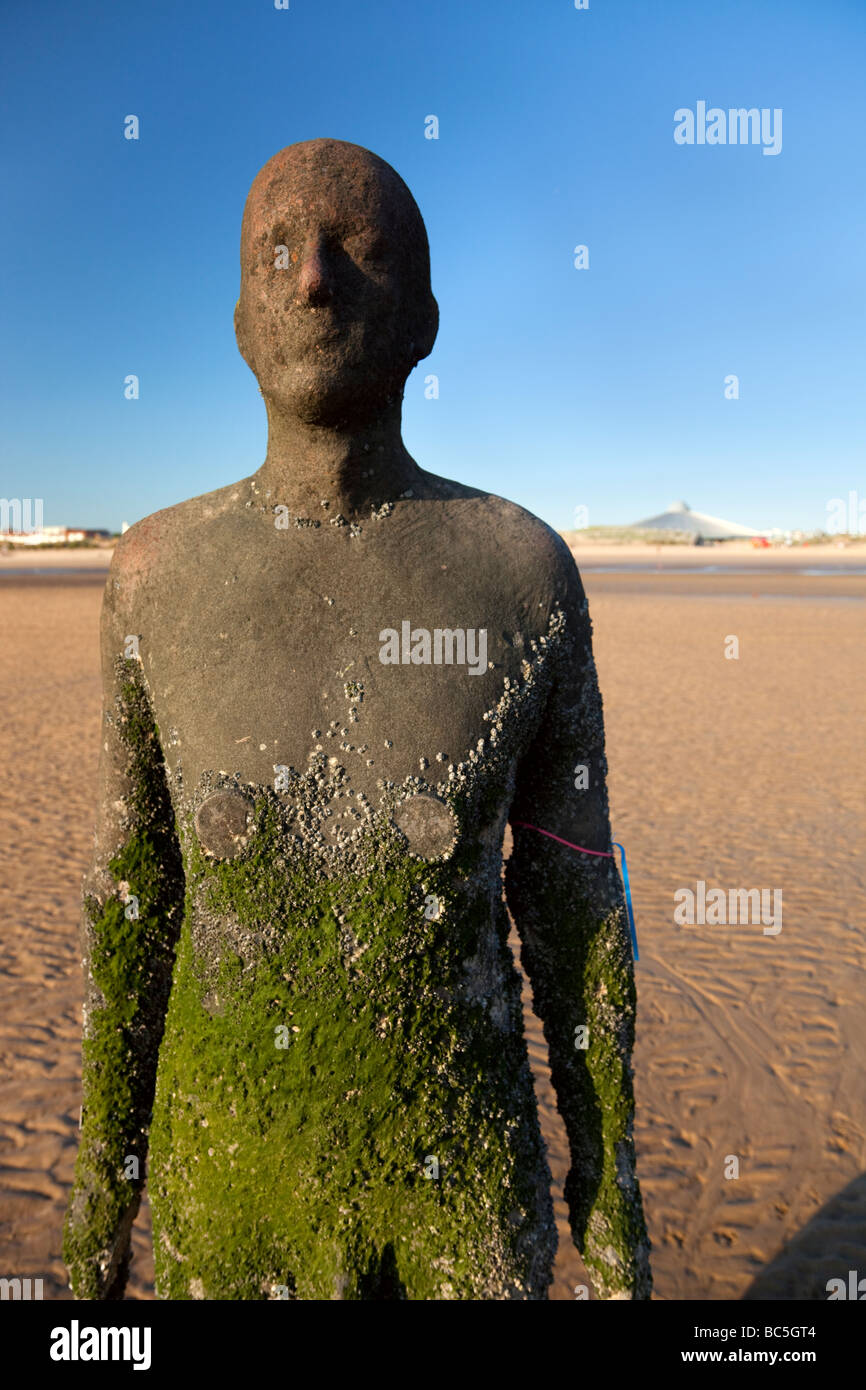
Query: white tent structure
[680, 517]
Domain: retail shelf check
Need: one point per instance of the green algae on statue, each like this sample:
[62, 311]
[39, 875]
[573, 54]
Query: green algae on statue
[348, 675]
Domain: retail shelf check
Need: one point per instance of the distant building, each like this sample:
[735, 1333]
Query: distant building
[52, 535]
[46, 535]
[680, 517]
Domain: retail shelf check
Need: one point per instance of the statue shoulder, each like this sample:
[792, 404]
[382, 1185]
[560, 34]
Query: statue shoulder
[527, 544]
[157, 550]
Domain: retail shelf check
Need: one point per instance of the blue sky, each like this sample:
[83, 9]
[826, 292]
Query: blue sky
[559, 388]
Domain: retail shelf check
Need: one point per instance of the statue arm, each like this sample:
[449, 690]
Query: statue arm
[575, 947]
[132, 909]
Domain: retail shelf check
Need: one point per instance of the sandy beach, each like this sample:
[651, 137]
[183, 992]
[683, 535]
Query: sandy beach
[738, 773]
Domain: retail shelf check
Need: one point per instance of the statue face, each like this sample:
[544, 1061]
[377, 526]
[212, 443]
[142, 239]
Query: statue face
[335, 306]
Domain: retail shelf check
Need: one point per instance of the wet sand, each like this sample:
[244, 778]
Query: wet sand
[740, 773]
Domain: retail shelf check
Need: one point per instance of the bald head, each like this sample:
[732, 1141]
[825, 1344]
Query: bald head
[335, 305]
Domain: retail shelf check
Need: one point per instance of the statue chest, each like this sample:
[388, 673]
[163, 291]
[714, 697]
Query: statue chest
[387, 680]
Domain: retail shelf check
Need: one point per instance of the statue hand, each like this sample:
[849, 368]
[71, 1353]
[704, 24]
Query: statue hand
[97, 1242]
[615, 1247]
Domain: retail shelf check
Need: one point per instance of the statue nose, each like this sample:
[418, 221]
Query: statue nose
[314, 281]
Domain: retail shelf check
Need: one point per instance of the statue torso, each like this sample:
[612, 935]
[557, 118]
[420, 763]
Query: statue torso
[344, 994]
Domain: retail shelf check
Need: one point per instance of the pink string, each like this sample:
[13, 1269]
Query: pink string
[602, 853]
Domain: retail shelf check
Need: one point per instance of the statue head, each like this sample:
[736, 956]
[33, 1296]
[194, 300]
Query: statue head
[335, 305]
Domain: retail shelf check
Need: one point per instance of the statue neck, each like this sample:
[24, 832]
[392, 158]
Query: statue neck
[353, 469]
